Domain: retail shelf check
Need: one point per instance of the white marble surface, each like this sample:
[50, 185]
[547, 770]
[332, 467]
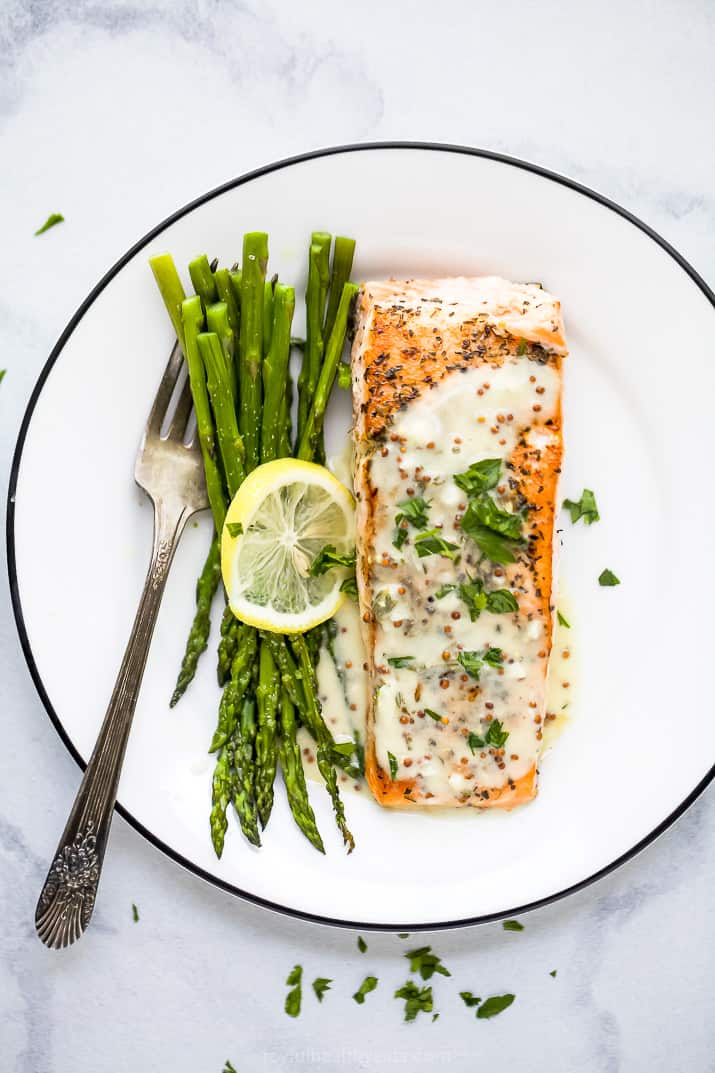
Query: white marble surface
[103, 107]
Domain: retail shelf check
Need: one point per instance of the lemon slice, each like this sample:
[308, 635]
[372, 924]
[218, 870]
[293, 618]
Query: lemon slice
[281, 518]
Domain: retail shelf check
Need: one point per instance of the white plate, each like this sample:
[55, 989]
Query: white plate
[640, 389]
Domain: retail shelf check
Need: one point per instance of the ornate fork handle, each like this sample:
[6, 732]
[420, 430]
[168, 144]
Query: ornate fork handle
[68, 895]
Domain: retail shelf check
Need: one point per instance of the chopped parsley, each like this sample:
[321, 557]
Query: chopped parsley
[443, 590]
[585, 508]
[433, 715]
[494, 1005]
[2, 374]
[361, 944]
[474, 661]
[382, 604]
[53, 219]
[392, 761]
[562, 621]
[496, 532]
[512, 925]
[608, 579]
[293, 998]
[410, 512]
[521, 350]
[400, 661]
[495, 737]
[135, 914]
[430, 542]
[480, 477]
[553, 973]
[426, 963]
[228, 1068]
[234, 529]
[417, 999]
[328, 557]
[350, 586]
[321, 984]
[403, 935]
[369, 984]
[469, 999]
[472, 593]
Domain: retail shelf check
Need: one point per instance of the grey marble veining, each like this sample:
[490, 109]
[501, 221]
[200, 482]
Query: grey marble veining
[100, 104]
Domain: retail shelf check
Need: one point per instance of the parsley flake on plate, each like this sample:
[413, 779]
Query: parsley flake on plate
[369, 984]
[512, 925]
[585, 508]
[426, 963]
[52, 220]
[494, 1005]
[321, 984]
[293, 998]
[417, 999]
[608, 579]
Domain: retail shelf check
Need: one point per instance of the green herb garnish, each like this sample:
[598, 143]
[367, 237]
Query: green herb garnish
[403, 935]
[512, 925]
[499, 601]
[480, 477]
[382, 604]
[496, 735]
[469, 999]
[228, 1068]
[426, 963]
[607, 578]
[562, 621]
[443, 590]
[431, 543]
[553, 973]
[328, 557]
[433, 715]
[369, 984]
[361, 944]
[392, 761]
[416, 999]
[475, 742]
[52, 220]
[585, 508]
[350, 586]
[474, 661]
[234, 529]
[293, 998]
[521, 350]
[400, 661]
[2, 374]
[496, 532]
[410, 512]
[321, 984]
[494, 1005]
[135, 914]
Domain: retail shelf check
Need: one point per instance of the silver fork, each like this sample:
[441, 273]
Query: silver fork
[172, 475]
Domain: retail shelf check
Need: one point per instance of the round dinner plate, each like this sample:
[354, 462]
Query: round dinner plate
[640, 384]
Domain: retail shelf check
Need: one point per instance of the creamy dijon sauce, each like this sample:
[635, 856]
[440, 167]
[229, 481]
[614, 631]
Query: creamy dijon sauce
[462, 420]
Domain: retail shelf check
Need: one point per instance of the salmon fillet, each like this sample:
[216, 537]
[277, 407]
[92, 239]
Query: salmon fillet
[457, 387]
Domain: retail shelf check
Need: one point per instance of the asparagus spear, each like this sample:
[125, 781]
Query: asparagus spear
[171, 290]
[267, 694]
[235, 689]
[255, 258]
[268, 288]
[343, 253]
[198, 638]
[227, 294]
[221, 790]
[217, 321]
[243, 789]
[275, 372]
[310, 711]
[318, 281]
[313, 427]
[192, 319]
[294, 776]
[229, 439]
[231, 634]
[203, 280]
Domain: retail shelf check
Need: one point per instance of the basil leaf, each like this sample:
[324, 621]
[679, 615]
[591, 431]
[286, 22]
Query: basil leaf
[53, 219]
[369, 984]
[392, 760]
[469, 999]
[512, 925]
[400, 661]
[433, 715]
[234, 529]
[480, 477]
[494, 1005]
[321, 984]
[328, 557]
[585, 508]
[607, 578]
[562, 621]
[361, 944]
[431, 543]
[501, 602]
